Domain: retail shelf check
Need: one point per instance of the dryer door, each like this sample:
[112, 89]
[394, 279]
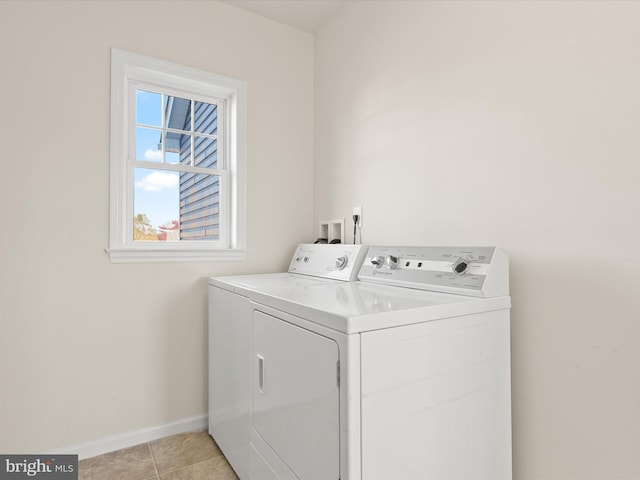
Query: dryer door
[296, 396]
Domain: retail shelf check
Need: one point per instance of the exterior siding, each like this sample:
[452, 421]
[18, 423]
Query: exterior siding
[200, 193]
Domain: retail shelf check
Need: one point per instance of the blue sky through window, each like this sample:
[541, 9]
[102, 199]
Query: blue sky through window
[156, 191]
[157, 195]
[149, 108]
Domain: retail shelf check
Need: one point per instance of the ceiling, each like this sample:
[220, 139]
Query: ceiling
[307, 15]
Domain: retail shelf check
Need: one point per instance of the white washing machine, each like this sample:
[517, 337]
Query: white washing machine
[404, 374]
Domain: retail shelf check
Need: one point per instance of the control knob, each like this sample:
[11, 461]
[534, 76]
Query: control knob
[341, 262]
[391, 261]
[377, 261]
[460, 266]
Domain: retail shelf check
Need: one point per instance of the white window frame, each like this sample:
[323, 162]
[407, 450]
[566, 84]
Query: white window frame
[128, 69]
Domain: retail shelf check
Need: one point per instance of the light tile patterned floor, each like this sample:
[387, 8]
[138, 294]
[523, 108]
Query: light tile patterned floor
[187, 456]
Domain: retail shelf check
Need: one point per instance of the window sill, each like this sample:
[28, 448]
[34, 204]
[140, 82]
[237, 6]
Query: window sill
[130, 255]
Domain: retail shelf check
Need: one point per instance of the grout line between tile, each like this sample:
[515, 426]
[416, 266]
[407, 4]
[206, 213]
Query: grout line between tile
[153, 458]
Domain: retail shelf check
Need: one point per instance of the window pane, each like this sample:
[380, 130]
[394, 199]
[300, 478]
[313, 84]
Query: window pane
[206, 119]
[178, 113]
[206, 152]
[172, 157]
[180, 145]
[172, 206]
[148, 108]
[199, 206]
[148, 144]
[156, 205]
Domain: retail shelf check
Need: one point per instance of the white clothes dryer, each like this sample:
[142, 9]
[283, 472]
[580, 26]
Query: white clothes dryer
[404, 374]
[230, 336]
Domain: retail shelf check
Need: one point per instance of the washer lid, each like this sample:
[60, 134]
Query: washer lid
[361, 306]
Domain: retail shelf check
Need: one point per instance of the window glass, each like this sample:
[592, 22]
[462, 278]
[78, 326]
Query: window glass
[206, 152]
[176, 205]
[199, 207]
[180, 144]
[172, 157]
[178, 113]
[206, 118]
[148, 144]
[156, 205]
[149, 108]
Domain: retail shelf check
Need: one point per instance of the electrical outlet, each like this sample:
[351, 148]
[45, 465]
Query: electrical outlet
[358, 211]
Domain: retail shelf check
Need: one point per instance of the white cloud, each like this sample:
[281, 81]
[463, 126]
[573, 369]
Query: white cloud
[158, 181]
[150, 154]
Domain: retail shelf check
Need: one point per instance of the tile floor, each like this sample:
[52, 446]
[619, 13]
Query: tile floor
[186, 456]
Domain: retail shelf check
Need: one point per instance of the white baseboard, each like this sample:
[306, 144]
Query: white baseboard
[129, 439]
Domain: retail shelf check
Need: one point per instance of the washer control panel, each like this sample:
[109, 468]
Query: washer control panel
[474, 271]
[336, 261]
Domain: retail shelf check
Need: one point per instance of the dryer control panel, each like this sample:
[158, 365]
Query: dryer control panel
[335, 261]
[473, 271]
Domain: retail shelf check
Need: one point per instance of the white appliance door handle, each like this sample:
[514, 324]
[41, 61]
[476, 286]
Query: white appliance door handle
[260, 374]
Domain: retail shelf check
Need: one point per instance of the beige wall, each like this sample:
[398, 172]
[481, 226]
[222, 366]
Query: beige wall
[88, 348]
[513, 124]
